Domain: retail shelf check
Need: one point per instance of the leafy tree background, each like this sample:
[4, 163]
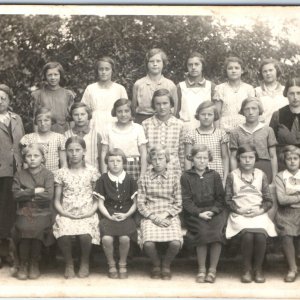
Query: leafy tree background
[27, 42]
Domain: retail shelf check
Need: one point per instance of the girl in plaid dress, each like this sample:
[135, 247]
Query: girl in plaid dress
[159, 202]
[206, 134]
[128, 136]
[52, 142]
[117, 204]
[166, 130]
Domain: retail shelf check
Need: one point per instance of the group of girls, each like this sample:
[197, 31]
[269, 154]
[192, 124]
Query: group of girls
[202, 149]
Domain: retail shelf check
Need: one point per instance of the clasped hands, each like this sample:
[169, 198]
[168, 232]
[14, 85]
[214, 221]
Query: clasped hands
[161, 219]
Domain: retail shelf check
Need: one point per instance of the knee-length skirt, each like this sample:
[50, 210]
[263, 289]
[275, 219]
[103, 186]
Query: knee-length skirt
[66, 226]
[287, 221]
[152, 233]
[201, 232]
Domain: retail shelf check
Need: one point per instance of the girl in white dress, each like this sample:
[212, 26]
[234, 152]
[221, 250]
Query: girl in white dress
[100, 96]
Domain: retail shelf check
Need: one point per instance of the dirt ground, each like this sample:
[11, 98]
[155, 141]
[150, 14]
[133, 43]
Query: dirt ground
[139, 284]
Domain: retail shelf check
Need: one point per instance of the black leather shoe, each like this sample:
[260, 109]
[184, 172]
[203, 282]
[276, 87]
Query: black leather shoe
[155, 273]
[246, 277]
[166, 275]
[290, 276]
[259, 277]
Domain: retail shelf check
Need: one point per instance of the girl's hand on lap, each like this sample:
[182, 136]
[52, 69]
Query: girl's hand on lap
[120, 216]
[206, 215]
[165, 223]
[253, 212]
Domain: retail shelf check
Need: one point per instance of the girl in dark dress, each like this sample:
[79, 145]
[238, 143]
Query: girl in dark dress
[117, 202]
[204, 215]
[33, 191]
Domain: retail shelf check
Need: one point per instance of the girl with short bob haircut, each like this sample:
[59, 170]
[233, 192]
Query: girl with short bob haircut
[270, 91]
[160, 202]
[204, 215]
[143, 89]
[117, 192]
[101, 95]
[287, 219]
[248, 199]
[54, 97]
[128, 136]
[81, 115]
[206, 134]
[229, 95]
[33, 190]
[258, 133]
[52, 142]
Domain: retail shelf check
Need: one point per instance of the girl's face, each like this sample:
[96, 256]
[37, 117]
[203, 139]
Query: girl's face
[159, 162]
[80, 117]
[4, 102]
[104, 71]
[44, 122]
[251, 112]
[162, 106]
[293, 96]
[75, 153]
[269, 73]
[123, 114]
[115, 164]
[201, 160]
[206, 117]
[194, 66]
[34, 158]
[53, 77]
[292, 162]
[234, 71]
[247, 160]
[155, 64]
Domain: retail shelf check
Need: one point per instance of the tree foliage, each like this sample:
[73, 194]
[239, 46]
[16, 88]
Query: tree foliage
[28, 42]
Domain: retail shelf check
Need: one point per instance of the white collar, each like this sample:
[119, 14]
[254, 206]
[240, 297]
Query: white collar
[258, 126]
[286, 174]
[117, 179]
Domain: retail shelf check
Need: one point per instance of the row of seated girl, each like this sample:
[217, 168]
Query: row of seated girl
[159, 197]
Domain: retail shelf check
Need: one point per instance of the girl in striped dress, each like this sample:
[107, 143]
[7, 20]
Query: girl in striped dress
[159, 202]
[81, 114]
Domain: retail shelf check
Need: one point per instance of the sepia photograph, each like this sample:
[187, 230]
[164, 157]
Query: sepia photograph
[150, 151]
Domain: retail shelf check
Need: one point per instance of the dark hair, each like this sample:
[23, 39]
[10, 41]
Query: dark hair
[199, 148]
[53, 65]
[293, 81]
[105, 59]
[204, 105]
[160, 93]
[121, 102]
[7, 90]
[232, 59]
[201, 58]
[267, 61]
[79, 105]
[115, 152]
[246, 148]
[42, 111]
[76, 139]
[289, 149]
[251, 99]
[158, 149]
[153, 52]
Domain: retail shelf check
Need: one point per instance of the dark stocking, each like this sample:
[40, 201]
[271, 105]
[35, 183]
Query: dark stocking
[85, 246]
[36, 249]
[151, 251]
[65, 245]
[215, 251]
[247, 250]
[24, 250]
[173, 249]
[260, 242]
[289, 252]
[201, 257]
